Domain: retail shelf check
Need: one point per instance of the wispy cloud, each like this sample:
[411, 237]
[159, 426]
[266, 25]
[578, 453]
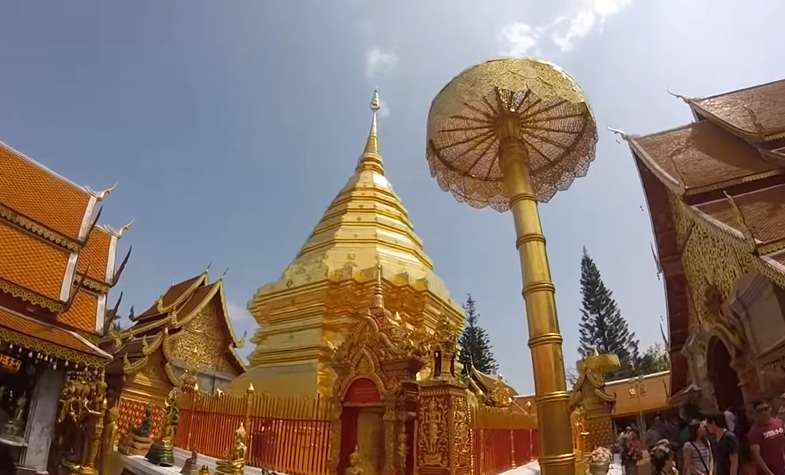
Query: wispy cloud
[519, 38]
[380, 62]
[384, 110]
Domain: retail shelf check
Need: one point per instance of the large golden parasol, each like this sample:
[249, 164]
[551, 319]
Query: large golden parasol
[508, 133]
[554, 124]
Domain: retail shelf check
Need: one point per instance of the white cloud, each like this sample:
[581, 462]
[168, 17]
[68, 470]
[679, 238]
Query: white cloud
[384, 110]
[519, 38]
[380, 62]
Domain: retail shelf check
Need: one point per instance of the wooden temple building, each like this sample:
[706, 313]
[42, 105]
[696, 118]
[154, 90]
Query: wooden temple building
[187, 328]
[715, 188]
[57, 265]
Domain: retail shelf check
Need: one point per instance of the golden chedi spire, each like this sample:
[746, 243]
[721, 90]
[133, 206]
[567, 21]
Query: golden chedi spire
[371, 159]
[364, 242]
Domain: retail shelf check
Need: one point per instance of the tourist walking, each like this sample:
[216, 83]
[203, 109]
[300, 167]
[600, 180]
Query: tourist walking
[632, 453]
[767, 441]
[698, 459]
[726, 446]
[730, 419]
[662, 460]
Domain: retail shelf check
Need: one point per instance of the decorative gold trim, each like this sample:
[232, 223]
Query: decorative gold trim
[31, 226]
[129, 367]
[95, 285]
[52, 350]
[32, 297]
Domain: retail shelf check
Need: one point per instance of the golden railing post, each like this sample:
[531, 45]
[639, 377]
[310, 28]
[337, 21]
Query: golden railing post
[538, 292]
[249, 397]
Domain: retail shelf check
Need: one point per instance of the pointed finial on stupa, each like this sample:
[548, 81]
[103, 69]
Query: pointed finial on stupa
[371, 159]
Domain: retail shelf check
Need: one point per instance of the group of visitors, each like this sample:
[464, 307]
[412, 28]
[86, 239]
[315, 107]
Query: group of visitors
[709, 445]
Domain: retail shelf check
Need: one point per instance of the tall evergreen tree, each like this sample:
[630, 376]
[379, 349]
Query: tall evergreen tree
[475, 345]
[602, 325]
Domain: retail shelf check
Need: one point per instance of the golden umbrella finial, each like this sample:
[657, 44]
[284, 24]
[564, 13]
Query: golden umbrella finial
[534, 101]
[508, 133]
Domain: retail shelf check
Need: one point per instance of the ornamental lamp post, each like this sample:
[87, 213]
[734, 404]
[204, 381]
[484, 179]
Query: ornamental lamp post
[508, 133]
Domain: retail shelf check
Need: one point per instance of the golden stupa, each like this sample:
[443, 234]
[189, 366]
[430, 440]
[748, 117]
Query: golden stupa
[364, 236]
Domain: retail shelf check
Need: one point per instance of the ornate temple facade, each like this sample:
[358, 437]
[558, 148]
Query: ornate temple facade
[716, 194]
[364, 238]
[187, 328]
[57, 265]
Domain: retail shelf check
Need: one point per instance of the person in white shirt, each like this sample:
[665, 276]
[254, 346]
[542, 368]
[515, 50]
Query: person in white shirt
[730, 420]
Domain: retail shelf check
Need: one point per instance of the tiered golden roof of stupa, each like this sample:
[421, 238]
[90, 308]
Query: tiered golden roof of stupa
[365, 225]
[365, 231]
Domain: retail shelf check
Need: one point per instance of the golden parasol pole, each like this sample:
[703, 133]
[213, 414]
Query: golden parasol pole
[545, 341]
[508, 133]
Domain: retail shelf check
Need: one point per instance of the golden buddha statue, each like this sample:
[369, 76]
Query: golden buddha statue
[355, 463]
[235, 463]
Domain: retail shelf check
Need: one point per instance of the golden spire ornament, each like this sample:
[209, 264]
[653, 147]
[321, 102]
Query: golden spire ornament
[508, 133]
[370, 158]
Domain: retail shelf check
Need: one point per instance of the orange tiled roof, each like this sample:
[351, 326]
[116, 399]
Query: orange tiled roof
[757, 112]
[702, 155]
[30, 262]
[41, 195]
[95, 254]
[83, 312]
[48, 335]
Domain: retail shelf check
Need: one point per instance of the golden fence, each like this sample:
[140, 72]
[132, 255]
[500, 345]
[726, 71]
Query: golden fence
[290, 435]
[502, 438]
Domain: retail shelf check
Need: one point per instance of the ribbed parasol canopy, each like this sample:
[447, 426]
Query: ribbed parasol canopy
[556, 127]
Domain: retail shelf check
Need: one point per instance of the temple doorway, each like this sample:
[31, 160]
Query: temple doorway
[723, 377]
[362, 427]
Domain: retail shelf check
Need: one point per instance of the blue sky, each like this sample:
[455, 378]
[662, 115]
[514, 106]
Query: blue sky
[231, 125]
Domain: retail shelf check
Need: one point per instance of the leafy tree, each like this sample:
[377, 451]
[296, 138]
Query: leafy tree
[475, 346]
[602, 326]
[654, 360]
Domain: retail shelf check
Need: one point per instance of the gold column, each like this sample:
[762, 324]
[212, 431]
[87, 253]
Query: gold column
[556, 455]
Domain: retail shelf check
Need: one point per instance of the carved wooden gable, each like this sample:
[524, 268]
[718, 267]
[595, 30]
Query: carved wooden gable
[379, 347]
[203, 341]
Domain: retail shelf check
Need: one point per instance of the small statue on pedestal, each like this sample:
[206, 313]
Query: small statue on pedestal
[15, 426]
[355, 463]
[189, 468]
[138, 440]
[235, 464]
[162, 452]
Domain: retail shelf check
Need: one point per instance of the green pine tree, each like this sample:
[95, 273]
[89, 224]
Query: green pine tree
[602, 325]
[654, 360]
[475, 346]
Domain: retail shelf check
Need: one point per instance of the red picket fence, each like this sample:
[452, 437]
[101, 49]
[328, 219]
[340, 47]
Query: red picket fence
[502, 438]
[289, 435]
